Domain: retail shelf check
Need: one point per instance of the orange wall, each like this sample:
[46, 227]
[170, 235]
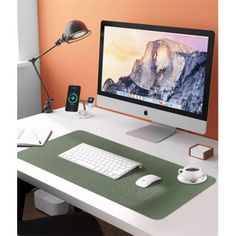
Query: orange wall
[78, 63]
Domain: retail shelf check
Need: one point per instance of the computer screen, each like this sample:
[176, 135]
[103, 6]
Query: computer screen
[164, 68]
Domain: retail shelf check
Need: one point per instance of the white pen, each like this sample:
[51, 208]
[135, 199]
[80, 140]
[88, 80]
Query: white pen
[35, 135]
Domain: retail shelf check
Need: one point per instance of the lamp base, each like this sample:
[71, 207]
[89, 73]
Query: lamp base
[47, 109]
[48, 106]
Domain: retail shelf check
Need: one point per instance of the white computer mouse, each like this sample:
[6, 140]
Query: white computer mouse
[146, 180]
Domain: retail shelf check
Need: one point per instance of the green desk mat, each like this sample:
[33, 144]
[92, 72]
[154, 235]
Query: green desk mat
[157, 201]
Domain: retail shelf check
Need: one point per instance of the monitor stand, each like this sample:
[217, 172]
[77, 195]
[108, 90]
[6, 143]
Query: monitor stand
[153, 133]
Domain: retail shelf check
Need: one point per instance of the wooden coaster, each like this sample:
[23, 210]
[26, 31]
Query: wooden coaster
[201, 151]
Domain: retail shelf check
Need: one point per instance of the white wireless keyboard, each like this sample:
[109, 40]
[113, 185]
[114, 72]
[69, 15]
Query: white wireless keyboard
[101, 161]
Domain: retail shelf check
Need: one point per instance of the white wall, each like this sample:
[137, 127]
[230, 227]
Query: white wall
[28, 84]
[27, 22]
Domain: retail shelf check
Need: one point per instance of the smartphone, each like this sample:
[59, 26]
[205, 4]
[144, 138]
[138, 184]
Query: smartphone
[72, 99]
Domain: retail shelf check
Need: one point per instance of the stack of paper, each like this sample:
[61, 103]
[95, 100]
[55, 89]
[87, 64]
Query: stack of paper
[32, 137]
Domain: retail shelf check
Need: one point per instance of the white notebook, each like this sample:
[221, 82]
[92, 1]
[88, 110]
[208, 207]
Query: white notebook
[32, 137]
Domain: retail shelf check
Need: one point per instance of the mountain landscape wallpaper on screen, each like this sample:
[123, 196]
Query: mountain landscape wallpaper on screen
[168, 71]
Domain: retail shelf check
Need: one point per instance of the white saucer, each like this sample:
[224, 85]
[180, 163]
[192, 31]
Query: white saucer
[202, 179]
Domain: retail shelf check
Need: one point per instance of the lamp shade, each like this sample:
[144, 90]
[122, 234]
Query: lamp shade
[75, 30]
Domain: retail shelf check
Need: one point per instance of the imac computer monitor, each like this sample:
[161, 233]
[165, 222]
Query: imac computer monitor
[159, 73]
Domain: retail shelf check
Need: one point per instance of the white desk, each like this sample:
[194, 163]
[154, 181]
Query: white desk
[197, 217]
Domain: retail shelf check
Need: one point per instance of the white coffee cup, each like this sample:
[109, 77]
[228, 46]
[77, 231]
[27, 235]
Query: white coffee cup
[191, 173]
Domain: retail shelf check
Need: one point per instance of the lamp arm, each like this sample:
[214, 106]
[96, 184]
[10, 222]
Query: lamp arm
[57, 43]
[47, 106]
[44, 87]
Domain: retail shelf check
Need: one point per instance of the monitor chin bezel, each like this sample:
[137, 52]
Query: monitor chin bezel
[154, 115]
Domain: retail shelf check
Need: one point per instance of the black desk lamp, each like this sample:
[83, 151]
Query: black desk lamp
[74, 31]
